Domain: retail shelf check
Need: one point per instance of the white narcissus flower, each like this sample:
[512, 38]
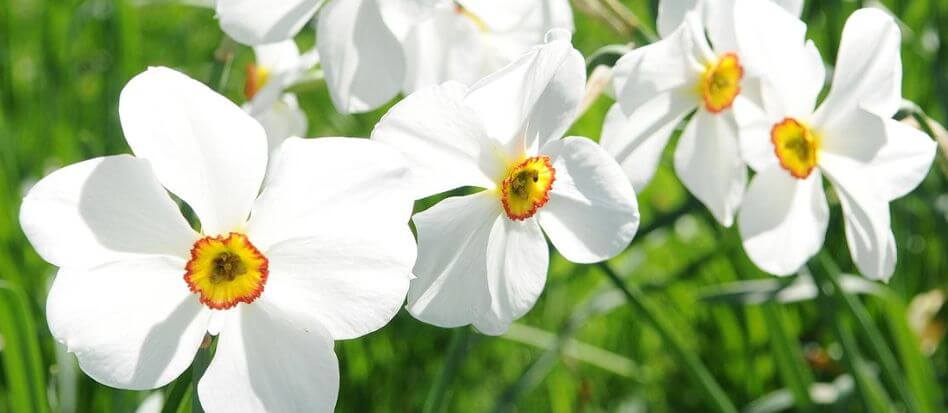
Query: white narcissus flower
[373, 49]
[658, 85]
[869, 158]
[279, 269]
[483, 258]
[277, 67]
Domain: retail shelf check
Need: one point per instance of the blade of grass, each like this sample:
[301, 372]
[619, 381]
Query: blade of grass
[891, 373]
[201, 360]
[22, 363]
[873, 396]
[918, 369]
[789, 359]
[696, 370]
[456, 351]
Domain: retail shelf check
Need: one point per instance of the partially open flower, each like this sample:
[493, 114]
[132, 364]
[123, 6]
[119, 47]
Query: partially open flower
[279, 269]
[483, 257]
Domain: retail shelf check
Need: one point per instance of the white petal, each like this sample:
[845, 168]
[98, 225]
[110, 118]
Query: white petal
[443, 140]
[317, 186]
[709, 164]
[256, 22]
[517, 262]
[535, 97]
[794, 7]
[445, 46]
[592, 213]
[719, 21]
[132, 324]
[671, 14]
[669, 65]
[526, 15]
[783, 220]
[277, 57]
[451, 288]
[772, 46]
[362, 60]
[754, 127]
[893, 156]
[103, 210]
[351, 282]
[269, 360]
[868, 71]
[202, 147]
[866, 212]
[636, 140]
[283, 119]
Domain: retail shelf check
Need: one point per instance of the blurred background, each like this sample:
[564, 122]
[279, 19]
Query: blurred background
[771, 344]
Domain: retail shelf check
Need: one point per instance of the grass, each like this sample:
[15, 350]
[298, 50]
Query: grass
[63, 63]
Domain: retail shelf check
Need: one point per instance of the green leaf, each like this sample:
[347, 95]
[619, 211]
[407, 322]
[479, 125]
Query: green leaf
[22, 363]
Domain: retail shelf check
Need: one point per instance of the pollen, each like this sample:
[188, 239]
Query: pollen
[257, 77]
[478, 22]
[226, 271]
[721, 83]
[526, 187]
[796, 146]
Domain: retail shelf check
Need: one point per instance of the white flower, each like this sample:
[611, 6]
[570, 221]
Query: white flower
[278, 66]
[323, 252]
[658, 85]
[373, 49]
[482, 257]
[671, 13]
[868, 158]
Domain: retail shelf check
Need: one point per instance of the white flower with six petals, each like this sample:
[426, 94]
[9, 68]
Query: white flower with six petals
[482, 257]
[869, 158]
[319, 251]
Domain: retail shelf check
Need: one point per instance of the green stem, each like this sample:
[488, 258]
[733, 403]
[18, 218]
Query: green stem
[176, 395]
[698, 372]
[456, 351]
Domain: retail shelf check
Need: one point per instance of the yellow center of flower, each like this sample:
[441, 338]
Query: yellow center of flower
[257, 77]
[226, 271]
[796, 146]
[478, 22]
[526, 187]
[721, 83]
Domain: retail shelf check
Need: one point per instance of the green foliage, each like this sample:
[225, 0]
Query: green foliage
[844, 345]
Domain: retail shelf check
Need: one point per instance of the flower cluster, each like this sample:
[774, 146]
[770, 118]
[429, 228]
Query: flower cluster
[225, 223]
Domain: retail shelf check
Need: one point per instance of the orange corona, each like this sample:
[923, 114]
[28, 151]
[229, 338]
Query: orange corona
[226, 271]
[526, 187]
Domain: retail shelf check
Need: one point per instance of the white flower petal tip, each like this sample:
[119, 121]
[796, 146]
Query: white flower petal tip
[558, 34]
[186, 130]
[256, 22]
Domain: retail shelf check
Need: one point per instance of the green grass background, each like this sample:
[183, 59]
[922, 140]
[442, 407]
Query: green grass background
[64, 62]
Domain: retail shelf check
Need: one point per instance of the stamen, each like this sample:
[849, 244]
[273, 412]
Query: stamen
[257, 77]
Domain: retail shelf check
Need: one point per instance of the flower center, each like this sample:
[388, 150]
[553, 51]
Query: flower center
[478, 22]
[526, 187]
[796, 146]
[257, 77]
[721, 83]
[226, 271]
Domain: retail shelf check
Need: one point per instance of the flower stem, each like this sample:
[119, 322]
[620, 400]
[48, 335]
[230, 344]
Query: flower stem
[698, 372]
[457, 349]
